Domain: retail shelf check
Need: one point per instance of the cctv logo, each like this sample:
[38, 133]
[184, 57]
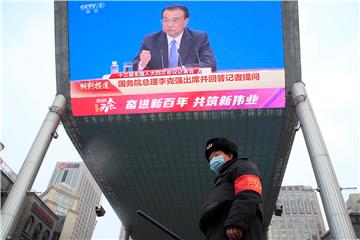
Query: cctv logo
[92, 7]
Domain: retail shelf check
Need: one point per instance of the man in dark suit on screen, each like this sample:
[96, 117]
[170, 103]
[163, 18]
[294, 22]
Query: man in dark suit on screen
[176, 45]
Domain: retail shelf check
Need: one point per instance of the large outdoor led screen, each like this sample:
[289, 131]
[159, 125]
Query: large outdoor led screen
[246, 39]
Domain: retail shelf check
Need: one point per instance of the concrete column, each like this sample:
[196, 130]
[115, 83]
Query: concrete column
[30, 168]
[124, 233]
[127, 235]
[330, 192]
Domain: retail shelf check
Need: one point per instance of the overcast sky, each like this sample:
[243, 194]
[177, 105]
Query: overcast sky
[329, 36]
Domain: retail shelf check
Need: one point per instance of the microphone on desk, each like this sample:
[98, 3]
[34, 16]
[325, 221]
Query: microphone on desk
[181, 65]
[197, 55]
[162, 58]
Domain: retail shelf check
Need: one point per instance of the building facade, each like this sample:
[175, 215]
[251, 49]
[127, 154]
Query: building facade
[8, 177]
[64, 204]
[72, 192]
[301, 215]
[353, 203]
[353, 206]
[36, 219]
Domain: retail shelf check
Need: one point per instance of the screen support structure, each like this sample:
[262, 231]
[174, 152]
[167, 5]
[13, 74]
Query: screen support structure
[330, 191]
[30, 168]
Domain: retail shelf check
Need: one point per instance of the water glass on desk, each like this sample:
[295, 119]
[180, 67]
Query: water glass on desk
[128, 67]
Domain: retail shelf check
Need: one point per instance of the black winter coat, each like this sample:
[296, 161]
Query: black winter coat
[234, 203]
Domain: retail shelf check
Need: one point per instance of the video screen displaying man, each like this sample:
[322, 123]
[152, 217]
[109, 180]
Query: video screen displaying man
[243, 35]
[175, 45]
[246, 38]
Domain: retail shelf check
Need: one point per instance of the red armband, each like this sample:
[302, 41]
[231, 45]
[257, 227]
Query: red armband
[248, 182]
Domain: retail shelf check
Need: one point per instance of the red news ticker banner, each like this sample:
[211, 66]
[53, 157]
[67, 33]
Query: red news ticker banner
[179, 93]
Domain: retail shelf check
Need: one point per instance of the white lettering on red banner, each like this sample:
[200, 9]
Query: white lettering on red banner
[202, 101]
[94, 85]
[105, 105]
[156, 91]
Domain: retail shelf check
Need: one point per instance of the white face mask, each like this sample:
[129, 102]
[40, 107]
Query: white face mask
[216, 163]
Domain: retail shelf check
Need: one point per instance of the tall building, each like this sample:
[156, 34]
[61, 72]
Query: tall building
[353, 206]
[72, 192]
[301, 216]
[63, 203]
[353, 203]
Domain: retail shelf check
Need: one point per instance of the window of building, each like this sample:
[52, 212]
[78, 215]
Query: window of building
[293, 207]
[64, 202]
[63, 179]
[45, 235]
[301, 208]
[287, 208]
[61, 211]
[29, 224]
[300, 236]
[36, 232]
[307, 205]
[314, 207]
[318, 225]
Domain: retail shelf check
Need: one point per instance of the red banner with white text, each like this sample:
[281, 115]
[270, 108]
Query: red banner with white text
[134, 94]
